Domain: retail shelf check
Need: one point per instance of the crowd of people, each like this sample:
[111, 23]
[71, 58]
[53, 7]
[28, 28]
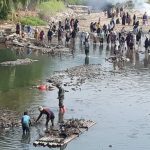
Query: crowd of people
[67, 30]
[120, 42]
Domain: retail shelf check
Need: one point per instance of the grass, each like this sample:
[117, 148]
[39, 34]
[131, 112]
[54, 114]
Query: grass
[76, 2]
[34, 21]
[51, 7]
[46, 10]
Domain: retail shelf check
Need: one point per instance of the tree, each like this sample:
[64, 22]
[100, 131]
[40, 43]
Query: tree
[4, 8]
[8, 5]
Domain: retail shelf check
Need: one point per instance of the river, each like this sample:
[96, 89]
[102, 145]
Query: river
[119, 104]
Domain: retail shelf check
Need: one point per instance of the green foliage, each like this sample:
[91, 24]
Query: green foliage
[4, 8]
[34, 21]
[3, 13]
[76, 2]
[7, 55]
[51, 7]
[46, 7]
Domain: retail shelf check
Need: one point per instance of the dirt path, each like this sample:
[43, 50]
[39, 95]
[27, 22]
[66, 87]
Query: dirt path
[86, 19]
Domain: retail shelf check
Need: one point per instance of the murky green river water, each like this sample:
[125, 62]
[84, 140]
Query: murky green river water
[120, 105]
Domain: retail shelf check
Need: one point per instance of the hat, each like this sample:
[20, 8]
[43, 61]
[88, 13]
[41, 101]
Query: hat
[40, 108]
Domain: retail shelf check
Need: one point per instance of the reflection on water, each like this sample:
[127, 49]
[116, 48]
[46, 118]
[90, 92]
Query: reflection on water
[63, 147]
[26, 138]
[86, 60]
[7, 55]
[119, 104]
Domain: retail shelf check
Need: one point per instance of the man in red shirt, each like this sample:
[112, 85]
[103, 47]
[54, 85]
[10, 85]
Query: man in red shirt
[49, 115]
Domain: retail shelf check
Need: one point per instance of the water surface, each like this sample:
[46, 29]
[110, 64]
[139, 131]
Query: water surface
[119, 103]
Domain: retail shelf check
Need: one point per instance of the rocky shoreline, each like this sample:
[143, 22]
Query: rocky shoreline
[9, 119]
[18, 62]
[76, 76]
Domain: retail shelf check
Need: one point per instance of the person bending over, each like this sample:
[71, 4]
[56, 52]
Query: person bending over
[49, 115]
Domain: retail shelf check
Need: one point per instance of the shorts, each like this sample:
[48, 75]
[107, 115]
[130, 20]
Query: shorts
[101, 40]
[25, 128]
[61, 103]
[52, 117]
[49, 38]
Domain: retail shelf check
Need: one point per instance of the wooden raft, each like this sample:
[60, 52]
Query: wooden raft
[53, 141]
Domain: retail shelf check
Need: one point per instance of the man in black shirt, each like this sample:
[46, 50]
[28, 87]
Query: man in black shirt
[60, 96]
[49, 35]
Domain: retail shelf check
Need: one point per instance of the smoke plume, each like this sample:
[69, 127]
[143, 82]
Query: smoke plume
[102, 3]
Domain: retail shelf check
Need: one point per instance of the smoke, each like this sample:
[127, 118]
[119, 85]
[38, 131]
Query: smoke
[99, 4]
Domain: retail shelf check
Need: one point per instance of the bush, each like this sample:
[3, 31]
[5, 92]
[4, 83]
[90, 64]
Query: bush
[51, 7]
[4, 13]
[33, 21]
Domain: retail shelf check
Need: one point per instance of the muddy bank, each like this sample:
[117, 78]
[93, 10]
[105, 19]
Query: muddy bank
[30, 43]
[9, 119]
[18, 62]
[12, 119]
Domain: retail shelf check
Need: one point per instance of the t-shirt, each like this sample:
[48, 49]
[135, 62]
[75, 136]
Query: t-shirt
[50, 33]
[47, 112]
[26, 120]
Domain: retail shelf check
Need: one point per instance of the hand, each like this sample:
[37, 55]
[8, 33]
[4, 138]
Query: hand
[66, 91]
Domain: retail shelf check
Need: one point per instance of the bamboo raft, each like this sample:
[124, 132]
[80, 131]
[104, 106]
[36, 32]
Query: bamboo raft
[71, 130]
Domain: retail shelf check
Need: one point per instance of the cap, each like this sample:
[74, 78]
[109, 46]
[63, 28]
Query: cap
[40, 108]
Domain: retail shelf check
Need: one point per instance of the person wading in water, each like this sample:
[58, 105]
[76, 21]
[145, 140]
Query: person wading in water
[49, 115]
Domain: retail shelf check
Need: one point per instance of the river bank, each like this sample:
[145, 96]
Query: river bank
[118, 102]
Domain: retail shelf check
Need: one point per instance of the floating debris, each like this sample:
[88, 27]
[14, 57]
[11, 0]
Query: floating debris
[9, 119]
[78, 75]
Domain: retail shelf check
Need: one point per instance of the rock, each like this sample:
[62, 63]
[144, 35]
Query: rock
[65, 84]
[110, 146]
[73, 89]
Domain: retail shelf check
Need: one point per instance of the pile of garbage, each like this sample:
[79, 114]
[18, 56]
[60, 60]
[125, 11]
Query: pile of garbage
[78, 75]
[9, 119]
[64, 133]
